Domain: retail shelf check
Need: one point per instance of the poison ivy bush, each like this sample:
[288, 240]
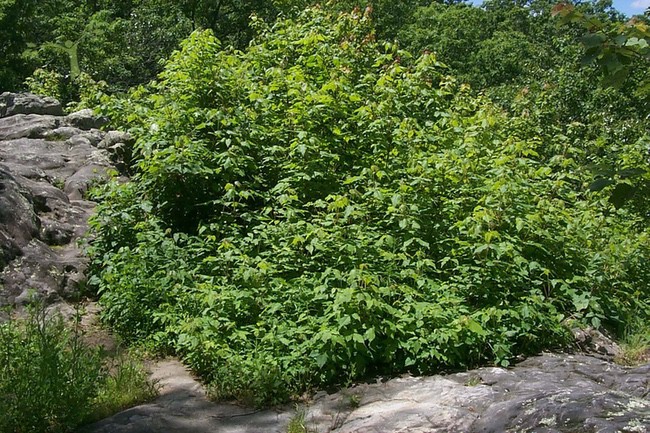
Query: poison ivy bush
[324, 207]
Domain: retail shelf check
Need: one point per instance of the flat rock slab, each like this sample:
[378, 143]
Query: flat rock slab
[548, 393]
[183, 407]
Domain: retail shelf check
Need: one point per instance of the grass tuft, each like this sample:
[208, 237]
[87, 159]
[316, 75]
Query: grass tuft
[52, 381]
[127, 384]
[297, 423]
[635, 347]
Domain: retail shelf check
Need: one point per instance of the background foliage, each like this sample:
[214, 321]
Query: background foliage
[119, 42]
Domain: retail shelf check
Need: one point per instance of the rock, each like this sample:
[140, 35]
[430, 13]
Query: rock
[62, 134]
[79, 141]
[86, 119]
[46, 197]
[94, 136]
[113, 138]
[561, 393]
[27, 126]
[119, 145]
[8, 249]
[41, 272]
[596, 343]
[78, 184]
[27, 103]
[54, 233]
[18, 221]
[47, 163]
[183, 407]
[548, 393]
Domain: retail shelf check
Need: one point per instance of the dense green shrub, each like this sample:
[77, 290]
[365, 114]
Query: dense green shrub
[323, 207]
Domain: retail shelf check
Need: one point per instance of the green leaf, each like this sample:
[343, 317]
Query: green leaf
[475, 327]
[593, 40]
[581, 302]
[321, 359]
[600, 184]
[595, 322]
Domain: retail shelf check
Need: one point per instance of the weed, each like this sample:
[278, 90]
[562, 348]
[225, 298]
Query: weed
[59, 183]
[126, 386]
[354, 400]
[473, 380]
[56, 137]
[297, 423]
[635, 347]
[48, 376]
[52, 381]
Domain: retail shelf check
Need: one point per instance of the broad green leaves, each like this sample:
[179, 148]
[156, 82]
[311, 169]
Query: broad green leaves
[323, 207]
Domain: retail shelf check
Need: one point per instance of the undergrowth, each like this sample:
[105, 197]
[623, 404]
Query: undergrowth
[52, 381]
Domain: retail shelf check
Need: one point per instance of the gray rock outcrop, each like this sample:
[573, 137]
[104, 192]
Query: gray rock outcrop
[47, 163]
[27, 103]
[544, 394]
